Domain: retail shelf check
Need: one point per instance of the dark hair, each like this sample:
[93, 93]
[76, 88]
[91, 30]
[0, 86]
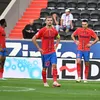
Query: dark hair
[2, 21]
[48, 17]
[85, 21]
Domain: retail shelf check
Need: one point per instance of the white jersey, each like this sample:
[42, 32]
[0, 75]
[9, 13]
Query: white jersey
[66, 18]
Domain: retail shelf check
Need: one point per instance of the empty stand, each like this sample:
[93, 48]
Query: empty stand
[32, 12]
[44, 13]
[95, 15]
[82, 4]
[90, 24]
[76, 14]
[56, 11]
[52, 4]
[85, 14]
[77, 24]
[72, 4]
[98, 5]
[96, 26]
[92, 4]
[61, 4]
[3, 5]
[61, 11]
[38, 23]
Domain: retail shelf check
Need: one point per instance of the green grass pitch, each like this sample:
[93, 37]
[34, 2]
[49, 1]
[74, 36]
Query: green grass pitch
[32, 89]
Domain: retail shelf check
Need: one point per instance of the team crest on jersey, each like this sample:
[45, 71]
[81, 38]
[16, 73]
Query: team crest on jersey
[47, 63]
[78, 55]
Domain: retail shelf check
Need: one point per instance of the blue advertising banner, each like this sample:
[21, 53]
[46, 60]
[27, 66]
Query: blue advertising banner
[66, 49]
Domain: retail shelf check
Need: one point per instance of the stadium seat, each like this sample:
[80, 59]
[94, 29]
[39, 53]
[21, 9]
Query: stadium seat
[82, 4]
[44, 13]
[61, 11]
[56, 11]
[38, 23]
[68, 35]
[77, 24]
[91, 4]
[61, 4]
[52, 4]
[85, 14]
[96, 26]
[76, 14]
[90, 24]
[62, 37]
[98, 5]
[71, 4]
[95, 15]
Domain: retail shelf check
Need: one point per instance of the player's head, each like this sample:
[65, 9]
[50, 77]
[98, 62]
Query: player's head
[67, 11]
[49, 21]
[84, 23]
[3, 23]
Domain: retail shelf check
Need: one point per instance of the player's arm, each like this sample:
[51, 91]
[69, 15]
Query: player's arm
[95, 41]
[94, 35]
[35, 43]
[1, 48]
[0, 44]
[57, 41]
[73, 37]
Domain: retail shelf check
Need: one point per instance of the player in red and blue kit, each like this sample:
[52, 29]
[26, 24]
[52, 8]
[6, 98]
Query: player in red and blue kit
[83, 43]
[2, 46]
[49, 58]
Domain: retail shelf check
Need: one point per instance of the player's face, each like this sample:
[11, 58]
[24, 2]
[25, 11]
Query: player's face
[67, 13]
[49, 21]
[84, 24]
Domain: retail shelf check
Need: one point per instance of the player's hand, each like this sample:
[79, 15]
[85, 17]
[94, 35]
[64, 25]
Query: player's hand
[55, 46]
[41, 50]
[77, 42]
[89, 45]
[1, 49]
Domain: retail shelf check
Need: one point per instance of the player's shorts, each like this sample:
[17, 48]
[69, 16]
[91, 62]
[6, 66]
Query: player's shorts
[4, 52]
[49, 59]
[84, 54]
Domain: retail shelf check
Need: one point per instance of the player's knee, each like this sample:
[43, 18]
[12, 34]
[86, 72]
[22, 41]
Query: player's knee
[86, 63]
[54, 66]
[44, 69]
[79, 61]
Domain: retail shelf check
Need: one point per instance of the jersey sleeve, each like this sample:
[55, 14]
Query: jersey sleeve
[39, 34]
[93, 34]
[56, 33]
[0, 30]
[75, 33]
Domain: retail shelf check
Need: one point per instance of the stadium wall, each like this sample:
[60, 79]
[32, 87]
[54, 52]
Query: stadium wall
[13, 13]
[24, 61]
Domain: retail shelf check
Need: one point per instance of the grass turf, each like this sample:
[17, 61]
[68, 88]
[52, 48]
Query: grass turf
[70, 90]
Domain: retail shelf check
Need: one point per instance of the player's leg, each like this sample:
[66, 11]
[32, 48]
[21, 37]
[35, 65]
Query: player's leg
[2, 62]
[45, 64]
[54, 69]
[44, 77]
[1, 67]
[86, 59]
[78, 62]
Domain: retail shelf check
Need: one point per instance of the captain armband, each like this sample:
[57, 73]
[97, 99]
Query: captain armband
[58, 36]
